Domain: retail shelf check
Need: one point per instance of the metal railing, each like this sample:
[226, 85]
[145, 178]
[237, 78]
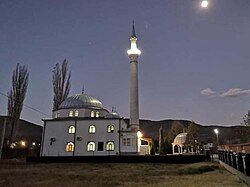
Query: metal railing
[239, 161]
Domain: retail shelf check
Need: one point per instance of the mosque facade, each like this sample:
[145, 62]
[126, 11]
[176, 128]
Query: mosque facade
[83, 127]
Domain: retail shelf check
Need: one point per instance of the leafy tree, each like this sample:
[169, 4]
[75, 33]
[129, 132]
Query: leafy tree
[16, 96]
[154, 149]
[61, 83]
[167, 147]
[191, 135]
[176, 129]
[161, 141]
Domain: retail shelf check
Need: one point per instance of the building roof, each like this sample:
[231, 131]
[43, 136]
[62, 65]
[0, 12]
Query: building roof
[180, 138]
[81, 101]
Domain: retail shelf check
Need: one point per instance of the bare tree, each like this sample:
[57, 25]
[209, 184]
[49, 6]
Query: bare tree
[16, 96]
[246, 119]
[61, 83]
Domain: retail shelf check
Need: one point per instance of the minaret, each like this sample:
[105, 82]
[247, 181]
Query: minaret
[133, 54]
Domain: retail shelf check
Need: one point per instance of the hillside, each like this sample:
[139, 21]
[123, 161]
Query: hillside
[232, 134]
[26, 130]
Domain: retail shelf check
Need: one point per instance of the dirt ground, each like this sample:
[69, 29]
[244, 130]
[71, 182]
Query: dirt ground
[15, 173]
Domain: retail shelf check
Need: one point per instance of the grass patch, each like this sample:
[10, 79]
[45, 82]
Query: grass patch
[115, 174]
[191, 170]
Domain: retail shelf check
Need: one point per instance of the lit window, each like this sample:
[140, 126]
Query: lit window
[72, 130]
[71, 113]
[97, 114]
[111, 128]
[91, 146]
[91, 129]
[110, 146]
[92, 114]
[76, 113]
[70, 147]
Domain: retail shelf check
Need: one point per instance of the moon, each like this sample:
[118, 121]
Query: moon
[204, 4]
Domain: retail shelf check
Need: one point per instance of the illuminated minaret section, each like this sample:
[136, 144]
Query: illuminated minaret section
[133, 54]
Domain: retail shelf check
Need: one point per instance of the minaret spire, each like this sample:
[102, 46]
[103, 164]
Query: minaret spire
[82, 89]
[133, 35]
[133, 54]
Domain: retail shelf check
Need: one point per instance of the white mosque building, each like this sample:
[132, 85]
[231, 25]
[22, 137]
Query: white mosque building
[83, 127]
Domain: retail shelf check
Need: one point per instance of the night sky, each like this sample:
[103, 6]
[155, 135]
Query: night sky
[194, 65]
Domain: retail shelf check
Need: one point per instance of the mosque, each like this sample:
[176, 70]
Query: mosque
[83, 127]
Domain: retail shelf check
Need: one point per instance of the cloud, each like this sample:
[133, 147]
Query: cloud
[208, 92]
[235, 92]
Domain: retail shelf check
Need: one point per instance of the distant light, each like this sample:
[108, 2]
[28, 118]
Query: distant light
[133, 50]
[204, 4]
[34, 143]
[216, 131]
[23, 143]
[139, 134]
[12, 145]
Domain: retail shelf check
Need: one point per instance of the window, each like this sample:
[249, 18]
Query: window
[76, 113]
[97, 114]
[110, 146]
[111, 128]
[126, 141]
[71, 113]
[70, 147]
[57, 115]
[91, 129]
[100, 146]
[72, 130]
[92, 114]
[91, 146]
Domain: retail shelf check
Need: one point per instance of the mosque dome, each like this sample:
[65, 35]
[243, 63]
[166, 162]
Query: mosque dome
[81, 101]
[180, 138]
[113, 115]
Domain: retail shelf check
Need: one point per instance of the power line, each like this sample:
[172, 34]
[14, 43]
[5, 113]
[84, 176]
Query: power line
[29, 107]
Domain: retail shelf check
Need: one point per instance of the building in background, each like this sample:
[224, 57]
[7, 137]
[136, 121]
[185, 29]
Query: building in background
[27, 139]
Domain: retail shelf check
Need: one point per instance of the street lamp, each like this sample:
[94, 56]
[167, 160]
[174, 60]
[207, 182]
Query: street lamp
[23, 143]
[216, 131]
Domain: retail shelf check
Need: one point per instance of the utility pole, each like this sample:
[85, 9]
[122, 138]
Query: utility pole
[2, 137]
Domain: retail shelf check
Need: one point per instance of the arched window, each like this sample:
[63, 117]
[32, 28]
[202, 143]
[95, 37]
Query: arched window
[111, 128]
[91, 129]
[97, 114]
[71, 113]
[76, 113]
[92, 114]
[72, 129]
[91, 146]
[70, 147]
[110, 146]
